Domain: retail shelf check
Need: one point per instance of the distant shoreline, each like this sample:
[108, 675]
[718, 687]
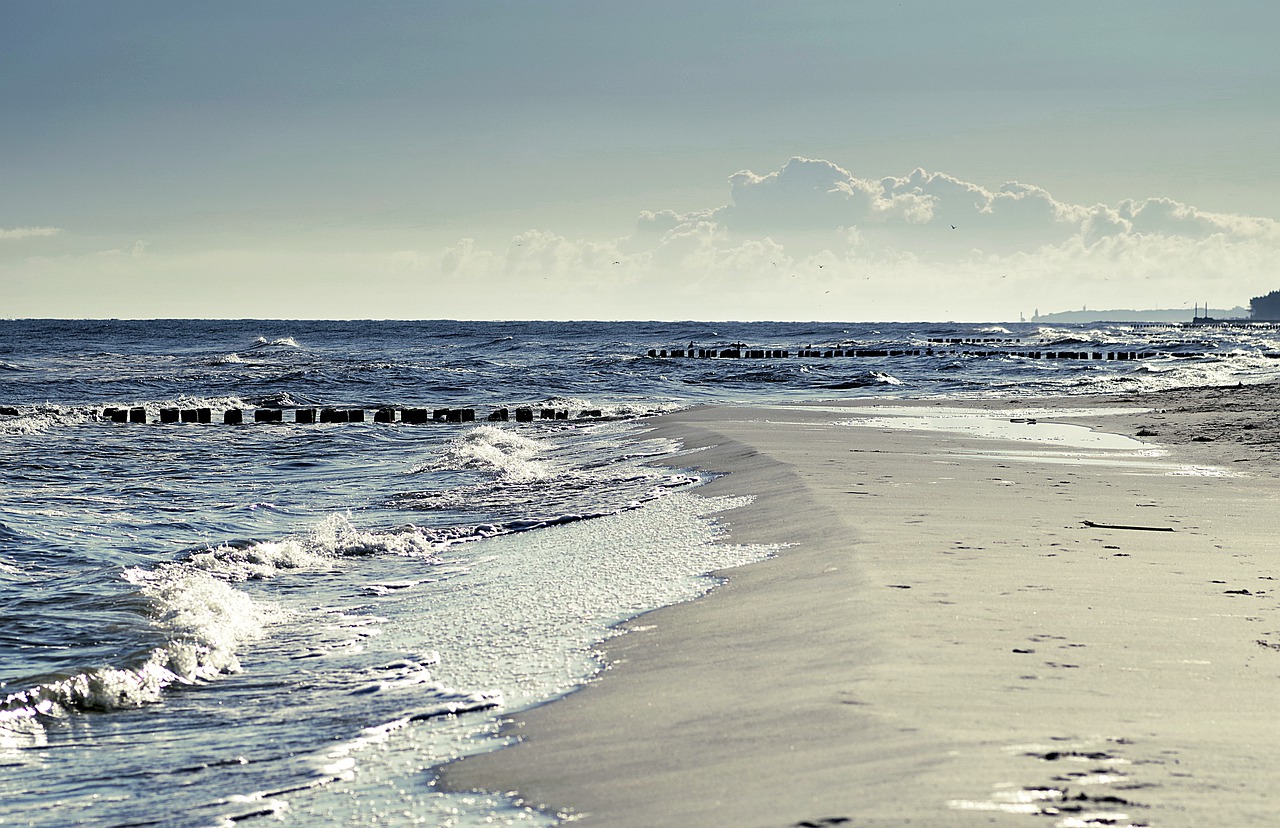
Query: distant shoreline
[1156, 315]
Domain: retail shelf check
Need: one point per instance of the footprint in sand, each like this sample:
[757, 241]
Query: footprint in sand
[1077, 798]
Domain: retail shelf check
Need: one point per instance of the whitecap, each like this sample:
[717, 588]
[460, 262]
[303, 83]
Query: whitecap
[204, 621]
[505, 453]
[333, 538]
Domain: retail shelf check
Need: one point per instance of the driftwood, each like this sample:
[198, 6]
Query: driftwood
[1093, 525]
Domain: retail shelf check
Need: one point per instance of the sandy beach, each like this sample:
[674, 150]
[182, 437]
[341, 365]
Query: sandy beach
[986, 613]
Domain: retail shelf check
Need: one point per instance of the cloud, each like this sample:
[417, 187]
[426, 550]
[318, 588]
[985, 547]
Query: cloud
[1166, 217]
[808, 241]
[810, 196]
[28, 232]
[932, 244]
[811, 240]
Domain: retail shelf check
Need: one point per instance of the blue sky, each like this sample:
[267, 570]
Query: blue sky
[601, 160]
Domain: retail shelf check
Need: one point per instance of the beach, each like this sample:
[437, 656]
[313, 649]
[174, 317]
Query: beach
[987, 612]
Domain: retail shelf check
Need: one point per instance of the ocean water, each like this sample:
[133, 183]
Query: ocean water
[286, 623]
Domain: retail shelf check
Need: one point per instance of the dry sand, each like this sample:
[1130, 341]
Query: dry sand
[946, 641]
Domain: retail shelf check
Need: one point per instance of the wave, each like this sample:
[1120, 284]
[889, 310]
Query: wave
[202, 619]
[867, 380]
[185, 401]
[282, 342]
[280, 399]
[509, 456]
[44, 419]
[609, 410]
[204, 622]
[333, 538]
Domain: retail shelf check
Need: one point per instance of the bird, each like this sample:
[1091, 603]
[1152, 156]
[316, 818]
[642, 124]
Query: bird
[953, 227]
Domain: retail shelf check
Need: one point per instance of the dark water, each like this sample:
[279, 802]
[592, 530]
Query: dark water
[206, 624]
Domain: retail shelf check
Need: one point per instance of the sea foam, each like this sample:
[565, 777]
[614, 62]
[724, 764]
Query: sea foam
[509, 456]
[204, 622]
[331, 539]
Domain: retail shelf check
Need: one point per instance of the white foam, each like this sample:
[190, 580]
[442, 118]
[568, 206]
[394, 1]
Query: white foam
[41, 420]
[206, 619]
[564, 588]
[333, 538]
[507, 454]
[205, 622]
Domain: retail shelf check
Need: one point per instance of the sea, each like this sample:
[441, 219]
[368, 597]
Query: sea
[298, 623]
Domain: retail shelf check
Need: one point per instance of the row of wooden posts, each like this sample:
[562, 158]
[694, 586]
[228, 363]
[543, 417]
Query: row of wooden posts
[828, 353]
[236, 416]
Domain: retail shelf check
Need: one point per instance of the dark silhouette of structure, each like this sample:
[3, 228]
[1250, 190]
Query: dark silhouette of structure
[1265, 308]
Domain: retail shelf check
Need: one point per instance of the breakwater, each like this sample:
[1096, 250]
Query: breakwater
[986, 348]
[968, 347]
[313, 416]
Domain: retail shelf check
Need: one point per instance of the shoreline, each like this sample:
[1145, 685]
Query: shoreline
[945, 638]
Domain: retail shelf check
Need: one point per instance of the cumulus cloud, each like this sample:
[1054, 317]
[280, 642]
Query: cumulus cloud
[811, 240]
[810, 196]
[28, 232]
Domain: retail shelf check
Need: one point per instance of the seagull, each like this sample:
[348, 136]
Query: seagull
[953, 227]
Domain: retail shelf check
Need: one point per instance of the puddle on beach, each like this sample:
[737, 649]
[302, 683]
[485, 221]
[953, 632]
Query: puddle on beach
[1051, 441]
[1016, 424]
[1136, 462]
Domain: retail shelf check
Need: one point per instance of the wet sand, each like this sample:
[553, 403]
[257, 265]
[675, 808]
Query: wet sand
[961, 630]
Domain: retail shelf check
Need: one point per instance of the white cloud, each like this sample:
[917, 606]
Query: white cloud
[810, 240]
[28, 232]
[931, 244]
[813, 241]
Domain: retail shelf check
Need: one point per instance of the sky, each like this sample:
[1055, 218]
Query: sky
[835, 161]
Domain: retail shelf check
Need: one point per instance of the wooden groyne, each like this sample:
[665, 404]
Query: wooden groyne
[742, 352]
[313, 416]
[936, 347]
